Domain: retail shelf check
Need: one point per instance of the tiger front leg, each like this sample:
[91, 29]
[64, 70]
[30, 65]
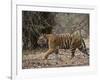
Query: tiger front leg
[46, 54]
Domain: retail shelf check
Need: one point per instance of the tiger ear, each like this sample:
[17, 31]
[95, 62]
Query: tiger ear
[43, 34]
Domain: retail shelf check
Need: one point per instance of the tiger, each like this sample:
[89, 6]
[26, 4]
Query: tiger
[62, 41]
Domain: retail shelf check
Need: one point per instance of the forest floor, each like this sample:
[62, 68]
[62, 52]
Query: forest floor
[62, 59]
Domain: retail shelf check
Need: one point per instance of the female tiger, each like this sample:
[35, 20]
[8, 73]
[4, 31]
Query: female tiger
[62, 41]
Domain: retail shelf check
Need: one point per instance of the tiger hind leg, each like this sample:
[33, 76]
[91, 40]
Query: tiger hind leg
[83, 50]
[73, 52]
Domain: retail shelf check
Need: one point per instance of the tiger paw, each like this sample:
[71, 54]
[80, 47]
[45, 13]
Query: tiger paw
[42, 56]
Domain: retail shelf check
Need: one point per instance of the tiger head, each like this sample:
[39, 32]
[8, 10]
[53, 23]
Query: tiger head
[42, 41]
